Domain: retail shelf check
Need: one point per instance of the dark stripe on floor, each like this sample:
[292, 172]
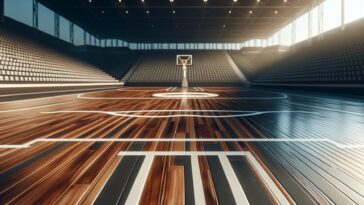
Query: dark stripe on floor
[251, 185]
[117, 188]
[221, 185]
[186, 162]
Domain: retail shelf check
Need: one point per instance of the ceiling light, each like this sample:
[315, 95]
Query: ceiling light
[174, 12]
[147, 12]
[235, 1]
[250, 12]
[126, 11]
[230, 12]
[204, 0]
[276, 12]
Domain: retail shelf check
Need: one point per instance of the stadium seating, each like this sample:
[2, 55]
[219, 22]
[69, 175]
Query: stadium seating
[22, 61]
[336, 60]
[340, 66]
[209, 68]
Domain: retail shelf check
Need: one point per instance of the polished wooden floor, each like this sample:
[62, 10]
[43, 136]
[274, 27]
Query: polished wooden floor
[125, 146]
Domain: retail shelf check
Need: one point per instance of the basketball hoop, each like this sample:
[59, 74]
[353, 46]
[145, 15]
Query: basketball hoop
[184, 61]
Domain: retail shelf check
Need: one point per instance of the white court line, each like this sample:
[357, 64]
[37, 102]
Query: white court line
[81, 96]
[32, 108]
[155, 90]
[329, 109]
[323, 98]
[138, 186]
[180, 153]
[54, 85]
[12, 101]
[337, 144]
[128, 113]
[46, 92]
[199, 194]
[318, 107]
[204, 89]
[236, 189]
[267, 180]
[184, 95]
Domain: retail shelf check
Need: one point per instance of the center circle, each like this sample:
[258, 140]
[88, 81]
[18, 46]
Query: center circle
[185, 95]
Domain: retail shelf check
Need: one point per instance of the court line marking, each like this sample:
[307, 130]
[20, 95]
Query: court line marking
[140, 181]
[312, 106]
[267, 180]
[284, 96]
[329, 109]
[81, 96]
[28, 144]
[179, 95]
[38, 98]
[127, 113]
[198, 189]
[56, 85]
[236, 188]
[233, 181]
[207, 89]
[288, 94]
[155, 90]
[55, 91]
[32, 108]
[328, 98]
[157, 98]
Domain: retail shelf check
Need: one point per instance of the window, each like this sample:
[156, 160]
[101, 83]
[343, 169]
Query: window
[315, 21]
[108, 43]
[87, 38]
[78, 35]
[64, 29]
[302, 28]
[286, 35]
[332, 14]
[354, 10]
[132, 46]
[181, 46]
[19, 10]
[45, 19]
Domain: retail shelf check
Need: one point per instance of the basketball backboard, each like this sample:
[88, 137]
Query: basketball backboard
[184, 59]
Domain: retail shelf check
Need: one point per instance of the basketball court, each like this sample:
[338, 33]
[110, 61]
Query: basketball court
[182, 102]
[132, 144]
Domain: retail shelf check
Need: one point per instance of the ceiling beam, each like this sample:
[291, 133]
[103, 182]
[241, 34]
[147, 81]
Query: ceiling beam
[207, 17]
[188, 7]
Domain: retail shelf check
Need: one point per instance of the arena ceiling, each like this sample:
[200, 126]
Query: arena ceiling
[180, 20]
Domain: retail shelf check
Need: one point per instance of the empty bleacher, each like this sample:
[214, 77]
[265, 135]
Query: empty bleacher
[22, 61]
[209, 68]
[333, 61]
[341, 66]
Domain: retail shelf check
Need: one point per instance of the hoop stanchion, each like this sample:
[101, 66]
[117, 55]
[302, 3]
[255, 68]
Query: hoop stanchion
[184, 61]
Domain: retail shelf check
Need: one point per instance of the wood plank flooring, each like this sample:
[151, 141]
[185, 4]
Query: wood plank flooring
[246, 146]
